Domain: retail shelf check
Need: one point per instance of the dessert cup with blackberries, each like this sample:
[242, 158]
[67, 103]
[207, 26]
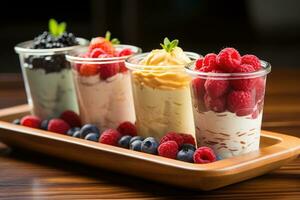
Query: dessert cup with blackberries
[47, 74]
[102, 82]
[228, 96]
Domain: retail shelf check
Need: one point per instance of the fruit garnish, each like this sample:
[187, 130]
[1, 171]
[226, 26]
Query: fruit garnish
[204, 155]
[57, 29]
[169, 46]
[114, 40]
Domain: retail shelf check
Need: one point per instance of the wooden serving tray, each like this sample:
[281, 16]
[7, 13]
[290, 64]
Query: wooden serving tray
[276, 149]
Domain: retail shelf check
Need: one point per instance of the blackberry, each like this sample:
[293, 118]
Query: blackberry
[48, 41]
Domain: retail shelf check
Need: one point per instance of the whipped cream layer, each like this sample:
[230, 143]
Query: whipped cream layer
[51, 93]
[227, 134]
[105, 103]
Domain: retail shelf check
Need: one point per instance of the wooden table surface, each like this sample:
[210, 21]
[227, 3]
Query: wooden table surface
[27, 175]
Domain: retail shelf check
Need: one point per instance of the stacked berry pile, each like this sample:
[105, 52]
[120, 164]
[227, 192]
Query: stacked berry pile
[173, 145]
[241, 95]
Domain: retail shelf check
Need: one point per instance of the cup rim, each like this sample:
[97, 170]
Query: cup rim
[77, 59]
[136, 66]
[24, 47]
[266, 68]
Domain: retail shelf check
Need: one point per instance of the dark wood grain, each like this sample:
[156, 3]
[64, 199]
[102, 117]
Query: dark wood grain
[27, 175]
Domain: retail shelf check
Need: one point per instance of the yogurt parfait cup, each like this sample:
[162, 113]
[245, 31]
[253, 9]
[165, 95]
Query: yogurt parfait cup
[228, 108]
[48, 78]
[103, 86]
[161, 93]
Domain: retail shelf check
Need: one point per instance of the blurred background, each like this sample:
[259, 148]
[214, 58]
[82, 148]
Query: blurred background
[268, 28]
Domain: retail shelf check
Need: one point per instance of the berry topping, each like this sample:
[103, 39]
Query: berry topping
[199, 63]
[71, 118]
[172, 136]
[149, 145]
[125, 52]
[215, 104]
[101, 43]
[216, 88]
[204, 155]
[88, 128]
[124, 141]
[168, 149]
[136, 145]
[259, 89]
[243, 84]
[31, 121]
[127, 128]
[44, 124]
[186, 155]
[72, 130]
[58, 126]
[92, 137]
[251, 60]
[110, 136]
[210, 60]
[198, 87]
[76, 134]
[241, 102]
[89, 69]
[187, 139]
[136, 138]
[95, 53]
[228, 59]
[108, 70]
[188, 146]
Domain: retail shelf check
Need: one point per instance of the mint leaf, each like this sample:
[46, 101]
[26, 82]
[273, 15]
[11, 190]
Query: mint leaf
[169, 46]
[61, 28]
[115, 41]
[53, 26]
[107, 35]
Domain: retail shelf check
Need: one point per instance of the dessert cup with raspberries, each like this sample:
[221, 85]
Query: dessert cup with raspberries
[161, 90]
[103, 83]
[228, 96]
[47, 74]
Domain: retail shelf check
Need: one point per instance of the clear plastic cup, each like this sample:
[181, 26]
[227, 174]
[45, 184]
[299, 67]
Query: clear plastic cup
[103, 88]
[161, 97]
[230, 124]
[48, 79]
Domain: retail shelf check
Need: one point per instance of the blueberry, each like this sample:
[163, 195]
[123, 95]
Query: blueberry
[136, 145]
[89, 128]
[149, 145]
[76, 134]
[136, 138]
[92, 137]
[185, 155]
[44, 124]
[124, 141]
[17, 121]
[219, 157]
[71, 131]
[188, 146]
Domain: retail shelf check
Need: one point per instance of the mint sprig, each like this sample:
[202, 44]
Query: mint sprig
[169, 46]
[114, 40]
[56, 29]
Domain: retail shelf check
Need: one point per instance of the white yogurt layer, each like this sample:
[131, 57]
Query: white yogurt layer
[228, 134]
[160, 111]
[51, 93]
[105, 103]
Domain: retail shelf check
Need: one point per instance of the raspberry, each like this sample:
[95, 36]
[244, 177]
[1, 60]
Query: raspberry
[215, 104]
[108, 70]
[187, 138]
[168, 149]
[216, 88]
[127, 128]
[241, 102]
[58, 126]
[246, 83]
[71, 118]
[110, 136]
[31, 121]
[210, 60]
[259, 89]
[228, 59]
[102, 43]
[122, 67]
[125, 52]
[88, 69]
[204, 155]
[172, 136]
[251, 60]
[198, 87]
[199, 63]
[95, 53]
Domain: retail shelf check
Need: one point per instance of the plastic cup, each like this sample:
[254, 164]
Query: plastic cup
[161, 97]
[231, 123]
[103, 88]
[48, 79]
